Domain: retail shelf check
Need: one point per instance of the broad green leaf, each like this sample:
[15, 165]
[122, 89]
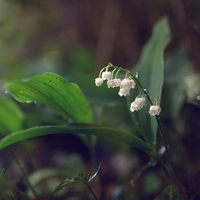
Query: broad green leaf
[181, 84]
[170, 193]
[79, 179]
[176, 69]
[87, 129]
[11, 117]
[54, 91]
[150, 70]
[6, 188]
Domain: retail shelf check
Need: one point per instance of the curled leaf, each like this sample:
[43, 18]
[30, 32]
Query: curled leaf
[78, 179]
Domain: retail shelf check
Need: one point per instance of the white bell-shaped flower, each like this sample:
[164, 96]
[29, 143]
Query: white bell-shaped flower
[106, 75]
[154, 110]
[98, 81]
[124, 91]
[127, 83]
[137, 104]
[113, 83]
[134, 107]
[140, 101]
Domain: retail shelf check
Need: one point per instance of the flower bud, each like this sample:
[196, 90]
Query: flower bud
[114, 83]
[98, 81]
[137, 104]
[106, 75]
[124, 91]
[127, 83]
[154, 110]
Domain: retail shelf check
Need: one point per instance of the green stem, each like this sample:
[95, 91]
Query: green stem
[91, 191]
[135, 79]
[158, 122]
[23, 173]
[176, 180]
[142, 170]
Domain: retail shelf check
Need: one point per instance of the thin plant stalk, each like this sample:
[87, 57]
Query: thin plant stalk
[157, 118]
[168, 154]
[23, 173]
[91, 191]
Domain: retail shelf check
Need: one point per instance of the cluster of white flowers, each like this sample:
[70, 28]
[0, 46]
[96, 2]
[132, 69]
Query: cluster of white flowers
[126, 85]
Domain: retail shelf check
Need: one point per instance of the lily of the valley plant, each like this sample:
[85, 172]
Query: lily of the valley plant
[112, 75]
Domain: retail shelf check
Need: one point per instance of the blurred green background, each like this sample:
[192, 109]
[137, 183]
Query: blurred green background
[75, 37]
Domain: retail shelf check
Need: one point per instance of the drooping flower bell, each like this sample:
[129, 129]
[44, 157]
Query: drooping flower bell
[124, 92]
[125, 86]
[154, 110]
[114, 83]
[98, 81]
[137, 104]
[106, 75]
[127, 83]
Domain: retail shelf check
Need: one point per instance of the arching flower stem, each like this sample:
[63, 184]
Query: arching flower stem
[127, 72]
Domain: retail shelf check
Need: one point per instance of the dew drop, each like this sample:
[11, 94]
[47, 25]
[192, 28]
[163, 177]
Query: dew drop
[35, 102]
[198, 97]
[6, 92]
[28, 101]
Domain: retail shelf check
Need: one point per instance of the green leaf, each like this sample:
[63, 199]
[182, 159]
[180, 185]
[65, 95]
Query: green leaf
[150, 70]
[54, 91]
[11, 117]
[176, 70]
[87, 129]
[79, 179]
[181, 83]
[6, 188]
[170, 193]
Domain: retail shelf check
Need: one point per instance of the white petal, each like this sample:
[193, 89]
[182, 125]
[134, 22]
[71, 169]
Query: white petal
[127, 83]
[154, 110]
[111, 83]
[98, 81]
[124, 91]
[134, 107]
[140, 101]
[106, 75]
[117, 82]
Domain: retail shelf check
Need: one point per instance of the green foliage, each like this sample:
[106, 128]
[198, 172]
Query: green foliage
[170, 193]
[150, 70]
[176, 68]
[79, 179]
[11, 116]
[54, 91]
[181, 84]
[6, 188]
[87, 129]
[68, 100]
